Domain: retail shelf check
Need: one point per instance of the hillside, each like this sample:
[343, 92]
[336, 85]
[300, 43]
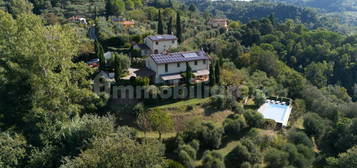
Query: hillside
[327, 5]
[341, 11]
[176, 84]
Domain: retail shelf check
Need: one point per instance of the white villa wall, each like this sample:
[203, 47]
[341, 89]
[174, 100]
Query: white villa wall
[173, 69]
[161, 46]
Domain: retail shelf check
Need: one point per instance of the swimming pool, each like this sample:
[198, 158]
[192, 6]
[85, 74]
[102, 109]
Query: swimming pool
[277, 112]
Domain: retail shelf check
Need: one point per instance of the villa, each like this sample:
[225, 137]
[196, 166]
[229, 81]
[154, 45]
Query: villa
[218, 23]
[169, 67]
[157, 44]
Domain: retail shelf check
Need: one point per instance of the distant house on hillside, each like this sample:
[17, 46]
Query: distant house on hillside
[157, 44]
[124, 22]
[169, 67]
[218, 23]
[77, 19]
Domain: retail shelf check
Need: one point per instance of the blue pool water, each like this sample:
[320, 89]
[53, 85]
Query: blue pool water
[275, 112]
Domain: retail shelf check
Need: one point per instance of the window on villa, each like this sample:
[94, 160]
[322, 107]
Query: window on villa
[157, 43]
[195, 62]
[173, 41]
[204, 61]
[166, 68]
[178, 64]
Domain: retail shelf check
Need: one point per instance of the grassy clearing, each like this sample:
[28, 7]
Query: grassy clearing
[181, 106]
[156, 135]
[299, 123]
[228, 148]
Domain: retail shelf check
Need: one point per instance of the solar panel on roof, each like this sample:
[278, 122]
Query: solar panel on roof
[190, 55]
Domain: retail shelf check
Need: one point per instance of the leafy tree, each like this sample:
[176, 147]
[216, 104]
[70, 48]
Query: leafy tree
[253, 118]
[222, 102]
[17, 7]
[119, 151]
[121, 65]
[75, 135]
[298, 137]
[245, 151]
[344, 160]
[318, 73]
[189, 150]
[174, 164]
[234, 24]
[48, 87]
[259, 97]
[160, 27]
[115, 7]
[212, 159]
[185, 159]
[299, 156]
[235, 125]
[178, 27]
[160, 121]
[138, 3]
[129, 4]
[13, 150]
[276, 158]
[211, 135]
[314, 125]
[341, 137]
[143, 122]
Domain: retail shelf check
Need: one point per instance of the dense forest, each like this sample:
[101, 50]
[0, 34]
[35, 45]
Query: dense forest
[339, 11]
[50, 116]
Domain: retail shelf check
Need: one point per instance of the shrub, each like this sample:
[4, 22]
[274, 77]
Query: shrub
[276, 158]
[189, 150]
[246, 151]
[212, 135]
[253, 118]
[268, 124]
[259, 97]
[238, 108]
[189, 108]
[314, 125]
[174, 164]
[185, 158]
[235, 124]
[222, 102]
[212, 159]
[195, 144]
[298, 137]
[139, 108]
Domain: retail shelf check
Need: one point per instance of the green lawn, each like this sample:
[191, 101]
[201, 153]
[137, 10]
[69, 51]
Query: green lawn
[181, 106]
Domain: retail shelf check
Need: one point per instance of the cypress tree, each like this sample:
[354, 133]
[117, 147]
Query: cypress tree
[188, 77]
[188, 74]
[100, 54]
[169, 26]
[160, 28]
[178, 28]
[217, 73]
[212, 80]
[117, 68]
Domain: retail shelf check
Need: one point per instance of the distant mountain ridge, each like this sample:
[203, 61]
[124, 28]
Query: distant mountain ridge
[328, 5]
